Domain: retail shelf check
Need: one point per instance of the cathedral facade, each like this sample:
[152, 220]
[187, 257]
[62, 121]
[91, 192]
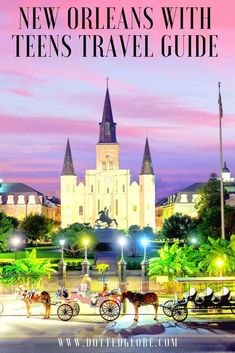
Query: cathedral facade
[108, 191]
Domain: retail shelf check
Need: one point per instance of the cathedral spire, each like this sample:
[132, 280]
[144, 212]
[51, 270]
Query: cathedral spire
[107, 126]
[68, 161]
[147, 167]
[225, 168]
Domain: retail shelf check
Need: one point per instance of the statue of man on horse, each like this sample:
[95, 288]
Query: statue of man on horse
[104, 218]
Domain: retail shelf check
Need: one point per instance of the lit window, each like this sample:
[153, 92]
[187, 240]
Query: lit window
[21, 200]
[184, 198]
[134, 208]
[107, 190]
[92, 188]
[103, 165]
[110, 164]
[32, 199]
[80, 210]
[123, 188]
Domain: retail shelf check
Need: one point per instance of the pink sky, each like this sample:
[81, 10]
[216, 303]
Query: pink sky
[173, 101]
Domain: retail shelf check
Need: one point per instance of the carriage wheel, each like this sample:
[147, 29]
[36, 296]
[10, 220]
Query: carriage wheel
[76, 308]
[179, 313]
[167, 307]
[110, 310]
[65, 312]
[1, 308]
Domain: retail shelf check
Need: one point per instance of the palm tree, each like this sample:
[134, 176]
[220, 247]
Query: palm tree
[174, 261]
[29, 270]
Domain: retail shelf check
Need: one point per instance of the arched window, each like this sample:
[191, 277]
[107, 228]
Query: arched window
[32, 199]
[21, 200]
[123, 188]
[92, 188]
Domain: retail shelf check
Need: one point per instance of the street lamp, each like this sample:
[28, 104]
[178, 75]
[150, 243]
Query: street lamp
[62, 242]
[15, 242]
[220, 264]
[85, 263]
[85, 242]
[144, 266]
[122, 263]
[144, 242]
[62, 264]
[122, 243]
[194, 241]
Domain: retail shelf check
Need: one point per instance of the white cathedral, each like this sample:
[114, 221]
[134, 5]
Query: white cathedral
[108, 189]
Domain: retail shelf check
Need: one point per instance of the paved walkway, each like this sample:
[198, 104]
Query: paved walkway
[107, 257]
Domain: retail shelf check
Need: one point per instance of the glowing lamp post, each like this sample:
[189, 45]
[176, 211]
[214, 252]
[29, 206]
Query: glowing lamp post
[122, 262]
[62, 242]
[144, 262]
[122, 243]
[62, 264]
[194, 241]
[220, 265]
[85, 263]
[144, 242]
[15, 242]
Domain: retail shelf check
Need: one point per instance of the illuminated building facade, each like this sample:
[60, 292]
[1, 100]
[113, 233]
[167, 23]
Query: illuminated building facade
[108, 188]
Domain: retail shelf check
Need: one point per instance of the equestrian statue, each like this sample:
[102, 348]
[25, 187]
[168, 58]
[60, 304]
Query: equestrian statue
[104, 218]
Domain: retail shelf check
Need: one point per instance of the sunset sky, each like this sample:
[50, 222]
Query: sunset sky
[173, 101]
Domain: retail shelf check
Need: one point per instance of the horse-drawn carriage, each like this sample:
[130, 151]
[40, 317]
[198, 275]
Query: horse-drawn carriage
[204, 304]
[108, 303]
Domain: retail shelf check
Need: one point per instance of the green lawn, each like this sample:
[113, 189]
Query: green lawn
[42, 252]
[133, 263]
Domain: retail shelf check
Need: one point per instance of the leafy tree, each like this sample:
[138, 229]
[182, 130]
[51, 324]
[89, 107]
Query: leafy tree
[148, 231]
[229, 218]
[178, 226]
[133, 233]
[38, 227]
[14, 221]
[174, 261]
[7, 224]
[29, 270]
[214, 250]
[209, 210]
[74, 236]
[232, 242]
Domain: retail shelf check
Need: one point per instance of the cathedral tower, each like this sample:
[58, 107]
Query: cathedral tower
[68, 183]
[107, 189]
[147, 190]
[107, 149]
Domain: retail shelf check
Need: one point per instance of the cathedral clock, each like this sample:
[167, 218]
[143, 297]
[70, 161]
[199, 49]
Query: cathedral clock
[107, 179]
